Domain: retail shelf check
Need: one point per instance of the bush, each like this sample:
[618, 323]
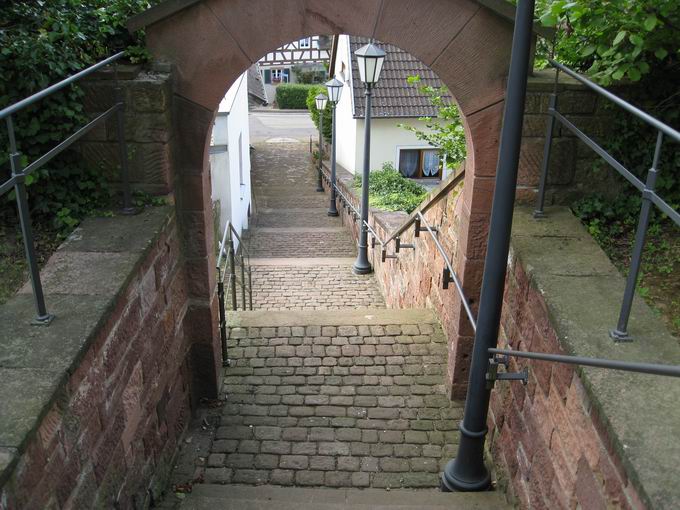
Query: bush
[390, 191]
[42, 43]
[292, 96]
[327, 113]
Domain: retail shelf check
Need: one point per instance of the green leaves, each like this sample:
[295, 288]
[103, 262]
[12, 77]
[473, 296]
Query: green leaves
[613, 41]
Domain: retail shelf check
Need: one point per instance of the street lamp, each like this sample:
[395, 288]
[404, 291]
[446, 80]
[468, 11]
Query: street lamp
[370, 59]
[321, 101]
[334, 87]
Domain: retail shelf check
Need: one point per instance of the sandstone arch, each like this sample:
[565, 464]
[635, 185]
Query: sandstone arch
[211, 42]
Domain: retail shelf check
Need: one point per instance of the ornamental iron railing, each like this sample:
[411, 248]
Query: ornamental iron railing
[17, 181]
[649, 196]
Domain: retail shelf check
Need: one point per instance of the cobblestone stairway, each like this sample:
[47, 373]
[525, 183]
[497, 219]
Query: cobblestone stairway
[331, 401]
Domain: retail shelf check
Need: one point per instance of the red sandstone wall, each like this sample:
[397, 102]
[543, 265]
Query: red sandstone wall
[112, 435]
[546, 439]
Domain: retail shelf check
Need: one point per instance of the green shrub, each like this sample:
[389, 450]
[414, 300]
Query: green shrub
[292, 96]
[42, 43]
[327, 113]
[390, 191]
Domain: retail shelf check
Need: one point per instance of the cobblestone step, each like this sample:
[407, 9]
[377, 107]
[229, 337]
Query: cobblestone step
[311, 217]
[315, 242]
[313, 287]
[215, 497]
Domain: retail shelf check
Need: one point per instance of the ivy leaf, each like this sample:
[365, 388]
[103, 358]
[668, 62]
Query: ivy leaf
[634, 74]
[588, 50]
[636, 40]
[549, 19]
[661, 53]
[619, 37]
[650, 22]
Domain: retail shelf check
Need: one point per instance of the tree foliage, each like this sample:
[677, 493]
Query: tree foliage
[445, 131]
[41, 43]
[314, 112]
[615, 39]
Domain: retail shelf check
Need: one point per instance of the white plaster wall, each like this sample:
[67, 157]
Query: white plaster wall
[386, 140]
[230, 184]
[346, 125]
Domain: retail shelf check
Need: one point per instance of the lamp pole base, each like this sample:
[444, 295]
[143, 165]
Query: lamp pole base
[451, 482]
[362, 265]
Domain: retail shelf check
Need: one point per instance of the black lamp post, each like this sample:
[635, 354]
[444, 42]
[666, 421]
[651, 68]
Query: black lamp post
[467, 471]
[334, 87]
[370, 59]
[321, 101]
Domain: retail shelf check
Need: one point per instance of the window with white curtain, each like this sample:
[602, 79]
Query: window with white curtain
[420, 163]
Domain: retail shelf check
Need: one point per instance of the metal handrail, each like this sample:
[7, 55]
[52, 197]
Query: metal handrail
[19, 105]
[626, 366]
[227, 251]
[17, 180]
[451, 273]
[646, 188]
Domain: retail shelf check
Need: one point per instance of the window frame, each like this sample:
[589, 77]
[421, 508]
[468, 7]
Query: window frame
[421, 150]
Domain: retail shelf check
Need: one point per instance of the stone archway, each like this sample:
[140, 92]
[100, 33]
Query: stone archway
[211, 42]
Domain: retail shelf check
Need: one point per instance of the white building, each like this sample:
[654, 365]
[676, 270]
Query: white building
[394, 102]
[230, 158]
[307, 55]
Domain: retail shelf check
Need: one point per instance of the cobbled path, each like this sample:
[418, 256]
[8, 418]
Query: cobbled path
[326, 387]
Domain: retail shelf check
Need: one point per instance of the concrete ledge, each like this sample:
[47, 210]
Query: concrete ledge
[583, 292]
[82, 283]
[358, 317]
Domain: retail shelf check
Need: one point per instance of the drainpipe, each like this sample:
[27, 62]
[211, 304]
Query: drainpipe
[467, 471]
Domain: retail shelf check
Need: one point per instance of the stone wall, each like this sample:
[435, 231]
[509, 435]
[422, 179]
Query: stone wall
[573, 169]
[106, 397]
[580, 437]
[148, 129]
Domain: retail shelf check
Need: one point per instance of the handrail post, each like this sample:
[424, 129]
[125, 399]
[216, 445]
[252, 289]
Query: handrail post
[250, 286]
[42, 318]
[232, 272]
[552, 108]
[319, 184]
[332, 208]
[122, 145]
[620, 334]
[243, 281]
[467, 471]
[223, 318]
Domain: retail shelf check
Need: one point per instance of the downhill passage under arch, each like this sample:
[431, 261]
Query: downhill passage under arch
[211, 42]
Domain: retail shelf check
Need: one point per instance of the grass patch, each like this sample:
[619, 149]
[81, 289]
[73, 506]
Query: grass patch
[388, 190]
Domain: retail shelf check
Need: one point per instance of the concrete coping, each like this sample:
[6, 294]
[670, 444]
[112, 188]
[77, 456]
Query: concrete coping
[83, 281]
[583, 293]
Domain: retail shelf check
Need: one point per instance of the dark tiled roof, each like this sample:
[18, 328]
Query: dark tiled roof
[394, 96]
[255, 84]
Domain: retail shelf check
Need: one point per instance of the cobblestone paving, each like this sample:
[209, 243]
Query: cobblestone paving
[334, 406]
[321, 243]
[331, 287]
[320, 405]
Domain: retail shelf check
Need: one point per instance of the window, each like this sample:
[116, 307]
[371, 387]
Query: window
[306, 42]
[420, 163]
[276, 75]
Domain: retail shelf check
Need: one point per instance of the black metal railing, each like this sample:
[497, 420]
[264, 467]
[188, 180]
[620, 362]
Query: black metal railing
[647, 188]
[419, 223]
[229, 253]
[17, 181]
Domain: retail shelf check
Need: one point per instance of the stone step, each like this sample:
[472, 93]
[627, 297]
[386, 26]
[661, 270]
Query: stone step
[362, 317]
[313, 217]
[305, 242]
[235, 497]
[295, 286]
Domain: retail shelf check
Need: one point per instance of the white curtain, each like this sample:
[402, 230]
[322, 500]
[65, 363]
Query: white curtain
[408, 163]
[430, 163]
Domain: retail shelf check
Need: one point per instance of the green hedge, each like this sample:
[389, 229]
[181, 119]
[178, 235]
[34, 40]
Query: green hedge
[314, 91]
[292, 96]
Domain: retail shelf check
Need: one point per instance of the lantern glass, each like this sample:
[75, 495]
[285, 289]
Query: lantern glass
[370, 59]
[334, 87]
[321, 101]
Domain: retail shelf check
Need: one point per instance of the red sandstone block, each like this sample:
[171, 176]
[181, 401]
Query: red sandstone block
[520, 490]
[558, 497]
[564, 472]
[103, 453]
[585, 436]
[588, 490]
